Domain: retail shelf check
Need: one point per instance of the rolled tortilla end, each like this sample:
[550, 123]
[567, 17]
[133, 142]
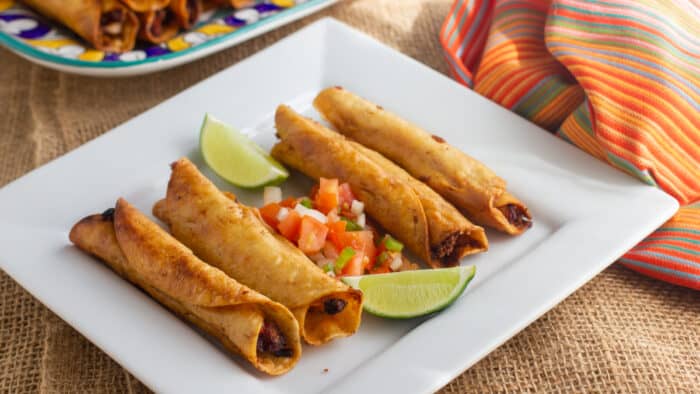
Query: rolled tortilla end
[233, 237]
[108, 25]
[264, 332]
[186, 11]
[330, 316]
[514, 216]
[451, 235]
[462, 180]
[158, 26]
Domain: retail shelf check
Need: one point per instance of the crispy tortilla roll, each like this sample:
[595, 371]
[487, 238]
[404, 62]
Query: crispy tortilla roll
[264, 332]
[106, 24]
[408, 209]
[235, 239]
[462, 180]
[243, 3]
[146, 5]
[186, 12]
[158, 26]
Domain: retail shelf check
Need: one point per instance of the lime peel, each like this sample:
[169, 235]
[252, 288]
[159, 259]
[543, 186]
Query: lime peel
[236, 158]
[407, 294]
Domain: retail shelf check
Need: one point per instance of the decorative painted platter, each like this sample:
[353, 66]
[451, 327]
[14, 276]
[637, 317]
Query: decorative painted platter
[46, 42]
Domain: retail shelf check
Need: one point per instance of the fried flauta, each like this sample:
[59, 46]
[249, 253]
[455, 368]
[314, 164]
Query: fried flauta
[465, 182]
[409, 210]
[146, 5]
[243, 3]
[106, 24]
[158, 26]
[234, 238]
[186, 11]
[264, 332]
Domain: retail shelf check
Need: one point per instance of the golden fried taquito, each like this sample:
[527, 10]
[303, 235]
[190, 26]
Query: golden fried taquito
[264, 332]
[409, 210]
[158, 26]
[467, 183]
[106, 24]
[243, 3]
[146, 5]
[234, 238]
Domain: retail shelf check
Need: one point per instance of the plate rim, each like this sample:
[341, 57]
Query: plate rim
[235, 37]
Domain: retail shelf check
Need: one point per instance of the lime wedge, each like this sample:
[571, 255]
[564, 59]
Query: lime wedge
[236, 158]
[407, 294]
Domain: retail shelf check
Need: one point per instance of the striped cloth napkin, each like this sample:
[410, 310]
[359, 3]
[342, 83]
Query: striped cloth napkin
[620, 79]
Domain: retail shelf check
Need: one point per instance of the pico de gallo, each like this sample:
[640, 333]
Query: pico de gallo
[331, 228]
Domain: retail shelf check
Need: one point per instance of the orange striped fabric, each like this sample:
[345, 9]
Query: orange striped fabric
[620, 79]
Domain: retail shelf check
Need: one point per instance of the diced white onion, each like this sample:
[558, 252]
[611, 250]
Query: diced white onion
[304, 211]
[357, 207]
[282, 214]
[331, 274]
[396, 263]
[362, 220]
[272, 194]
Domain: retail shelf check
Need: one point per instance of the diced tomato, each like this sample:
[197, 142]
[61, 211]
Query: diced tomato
[346, 196]
[312, 235]
[355, 266]
[361, 241]
[269, 213]
[289, 202]
[335, 234]
[289, 227]
[327, 198]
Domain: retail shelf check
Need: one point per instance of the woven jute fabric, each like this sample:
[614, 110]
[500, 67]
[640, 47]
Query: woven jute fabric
[620, 333]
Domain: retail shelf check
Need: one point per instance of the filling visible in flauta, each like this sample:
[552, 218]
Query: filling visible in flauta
[112, 23]
[334, 306]
[272, 341]
[191, 11]
[516, 215]
[449, 250]
[162, 17]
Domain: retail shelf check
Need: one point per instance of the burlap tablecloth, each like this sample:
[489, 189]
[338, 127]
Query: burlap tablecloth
[620, 333]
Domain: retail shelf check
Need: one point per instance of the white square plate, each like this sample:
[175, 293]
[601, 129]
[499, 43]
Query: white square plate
[586, 215]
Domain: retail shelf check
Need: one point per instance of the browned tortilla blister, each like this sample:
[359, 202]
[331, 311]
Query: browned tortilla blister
[412, 212]
[143, 253]
[234, 238]
[106, 24]
[465, 182]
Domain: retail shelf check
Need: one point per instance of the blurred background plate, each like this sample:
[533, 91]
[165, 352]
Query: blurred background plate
[49, 44]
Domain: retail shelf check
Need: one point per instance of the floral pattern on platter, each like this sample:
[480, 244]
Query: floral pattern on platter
[19, 22]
